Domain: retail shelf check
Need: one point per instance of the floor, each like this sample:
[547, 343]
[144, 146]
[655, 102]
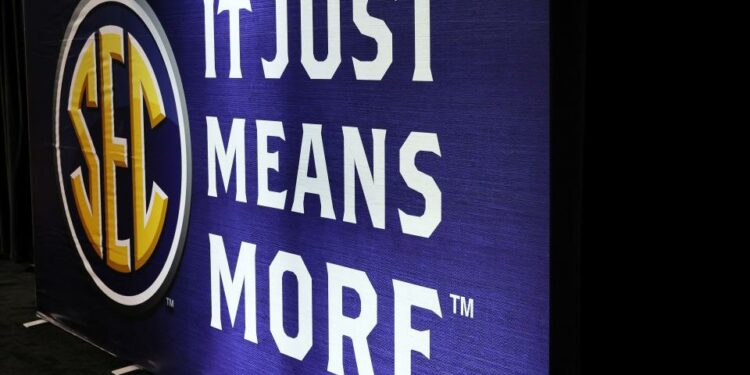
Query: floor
[45, 348]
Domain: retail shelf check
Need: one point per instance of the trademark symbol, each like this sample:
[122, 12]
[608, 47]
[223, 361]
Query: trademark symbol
[463, 306]
[170, 303]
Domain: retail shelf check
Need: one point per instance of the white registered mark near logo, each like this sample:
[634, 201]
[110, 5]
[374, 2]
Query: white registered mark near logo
[95, 229]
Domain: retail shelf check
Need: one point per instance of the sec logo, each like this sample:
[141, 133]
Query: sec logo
[123, 149]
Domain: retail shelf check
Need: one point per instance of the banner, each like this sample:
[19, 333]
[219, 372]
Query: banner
[275, 186]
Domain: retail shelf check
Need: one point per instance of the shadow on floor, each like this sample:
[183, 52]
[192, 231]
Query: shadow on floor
[42, 349]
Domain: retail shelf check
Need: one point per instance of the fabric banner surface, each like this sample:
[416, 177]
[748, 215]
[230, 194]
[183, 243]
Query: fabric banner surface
[275, 186]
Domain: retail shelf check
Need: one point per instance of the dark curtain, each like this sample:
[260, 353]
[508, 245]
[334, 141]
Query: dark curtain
[569, 33]
[15, 197]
